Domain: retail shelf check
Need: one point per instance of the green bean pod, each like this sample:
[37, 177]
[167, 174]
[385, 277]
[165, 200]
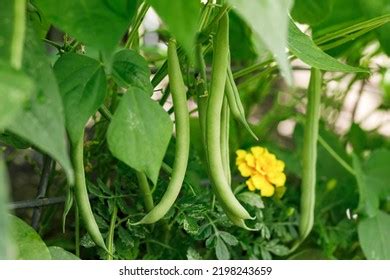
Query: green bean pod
[310, 154]
[225, 118]
[201, 90]
[235, 104]
[182, 123]
[213, 120]
[81, 194]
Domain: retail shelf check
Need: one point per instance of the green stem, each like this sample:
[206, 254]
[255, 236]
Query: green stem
[334, 154]
[137, 23]
[17, 41]
[205, 15]
[111, 232]
[145, 190]
[340, 33]
[250, 69]
[166, 168]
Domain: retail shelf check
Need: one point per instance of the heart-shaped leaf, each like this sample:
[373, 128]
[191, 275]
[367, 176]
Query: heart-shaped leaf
[139, 132]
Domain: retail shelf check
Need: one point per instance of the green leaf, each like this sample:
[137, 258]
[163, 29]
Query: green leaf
[139, 133]
[263, 16]
[9, 138]
[368, 199]
[252, 199]
[15, 90]
[228, 238]
[373, 178]
[221, 250]
[192, 254]
[82, 84]
[303, 47]
[311, 12]
[29, 245]
[376, 8]
[58, 253]
[131, 69]
[190, 225]
[240, 40]
[4, 218]
[374, 236]
[181, 18]
[42, 121]
[6, 27]
[97, 23]
[377, 172]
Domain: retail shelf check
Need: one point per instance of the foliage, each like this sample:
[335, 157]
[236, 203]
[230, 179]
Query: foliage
[88, 90]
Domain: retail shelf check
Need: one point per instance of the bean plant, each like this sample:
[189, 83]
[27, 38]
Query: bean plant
[215, 136]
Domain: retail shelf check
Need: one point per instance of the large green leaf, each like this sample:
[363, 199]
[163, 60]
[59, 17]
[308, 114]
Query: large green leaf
[373, 178]
[139, 132]
[303, 47]
[15, 90]
[241, 47]
[42, 121]
[6, 27]
[376, 8]
[377, 172]
[82, 84]
[368, 199]
[181, 17]
[28, 243]
[269, 22]
[97, 23]
[58, 253]
[311, 11]
[4, 223]
[129, 68]
[374, 236]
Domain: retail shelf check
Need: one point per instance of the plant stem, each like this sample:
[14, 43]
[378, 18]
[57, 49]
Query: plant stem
[111, 232]
[144, 7]
[145, 190]
[105, 112]
[334, 154]
[341, 33]
[42, 189]
[17, 41]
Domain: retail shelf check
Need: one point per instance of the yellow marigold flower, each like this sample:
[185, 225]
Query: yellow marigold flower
[264, 169]
[277, 178]
[240, 156]
[261, 183]
[250, 185]
[245, 170]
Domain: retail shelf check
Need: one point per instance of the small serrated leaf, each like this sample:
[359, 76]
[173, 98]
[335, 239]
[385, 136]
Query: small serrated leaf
[221, 250]
[228, 238]
[251, 198]
[192, 254]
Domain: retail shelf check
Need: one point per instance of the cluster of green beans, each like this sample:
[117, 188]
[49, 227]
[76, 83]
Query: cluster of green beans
[182, 124]
[216, 127]
[310, 154]
[235, 104]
